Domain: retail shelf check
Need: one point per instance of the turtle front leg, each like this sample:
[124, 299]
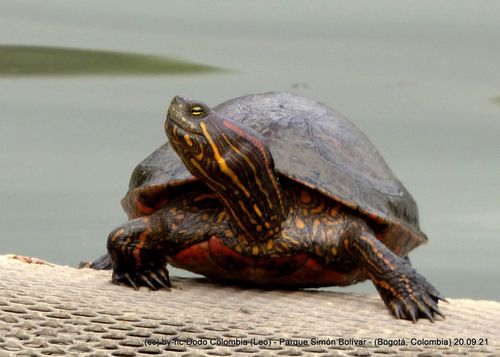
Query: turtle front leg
[406, 293]
[138, 255]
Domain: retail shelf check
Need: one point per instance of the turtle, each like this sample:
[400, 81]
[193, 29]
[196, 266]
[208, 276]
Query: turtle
[271, 190]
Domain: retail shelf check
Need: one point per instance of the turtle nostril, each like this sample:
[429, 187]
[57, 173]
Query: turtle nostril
[178, 100]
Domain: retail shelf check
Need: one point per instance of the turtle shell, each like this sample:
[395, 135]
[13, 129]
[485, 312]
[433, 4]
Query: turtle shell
[311, 144]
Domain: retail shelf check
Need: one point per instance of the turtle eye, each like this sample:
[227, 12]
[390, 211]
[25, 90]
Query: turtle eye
[197, 111]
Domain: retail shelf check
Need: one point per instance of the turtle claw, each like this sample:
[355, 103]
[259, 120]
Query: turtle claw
[165, 276]
[147, 281]
[157, 280]
[409, 296]
[161, 278]
[437, 312]
[154, 280]
[131, 281]
[410, 312]
[440, 297]
[396, 310]
[427, 314]
[164, 281]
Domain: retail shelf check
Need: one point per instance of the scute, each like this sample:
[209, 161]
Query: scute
[152, 180]
[310, 143]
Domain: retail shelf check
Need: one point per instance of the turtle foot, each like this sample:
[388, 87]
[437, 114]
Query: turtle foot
[409, 296]
[135, 255]
[101, 263]
[153, 279]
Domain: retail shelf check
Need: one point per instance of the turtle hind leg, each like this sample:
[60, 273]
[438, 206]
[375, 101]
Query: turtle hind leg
[101, 263]
[406, 293]
[136, 255]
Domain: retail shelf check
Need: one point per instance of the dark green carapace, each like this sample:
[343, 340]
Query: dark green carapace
[273, 190]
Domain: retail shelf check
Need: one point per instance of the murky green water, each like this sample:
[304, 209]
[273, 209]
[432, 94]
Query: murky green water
[419, 78]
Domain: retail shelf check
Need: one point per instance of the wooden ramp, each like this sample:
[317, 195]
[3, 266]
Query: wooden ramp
[54, 310]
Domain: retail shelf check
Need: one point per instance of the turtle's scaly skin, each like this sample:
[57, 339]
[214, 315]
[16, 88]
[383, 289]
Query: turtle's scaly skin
[239, 219]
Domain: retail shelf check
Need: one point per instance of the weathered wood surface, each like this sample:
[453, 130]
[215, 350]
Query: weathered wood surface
[48, 309]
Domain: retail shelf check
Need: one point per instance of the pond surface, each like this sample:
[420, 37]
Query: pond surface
[421, 79]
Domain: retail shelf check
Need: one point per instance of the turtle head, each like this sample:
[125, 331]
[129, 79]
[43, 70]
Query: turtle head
[186, 120]
[233, 161]
[186, 115]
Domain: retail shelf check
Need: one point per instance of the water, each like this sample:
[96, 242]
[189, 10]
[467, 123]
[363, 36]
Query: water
[419, 78]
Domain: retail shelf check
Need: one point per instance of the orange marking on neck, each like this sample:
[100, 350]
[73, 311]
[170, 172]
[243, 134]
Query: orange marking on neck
[221, 162]
[205, 174]
[260, 146]
[254, 170]
[257, 210]
[188, 141]
[244, 208]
